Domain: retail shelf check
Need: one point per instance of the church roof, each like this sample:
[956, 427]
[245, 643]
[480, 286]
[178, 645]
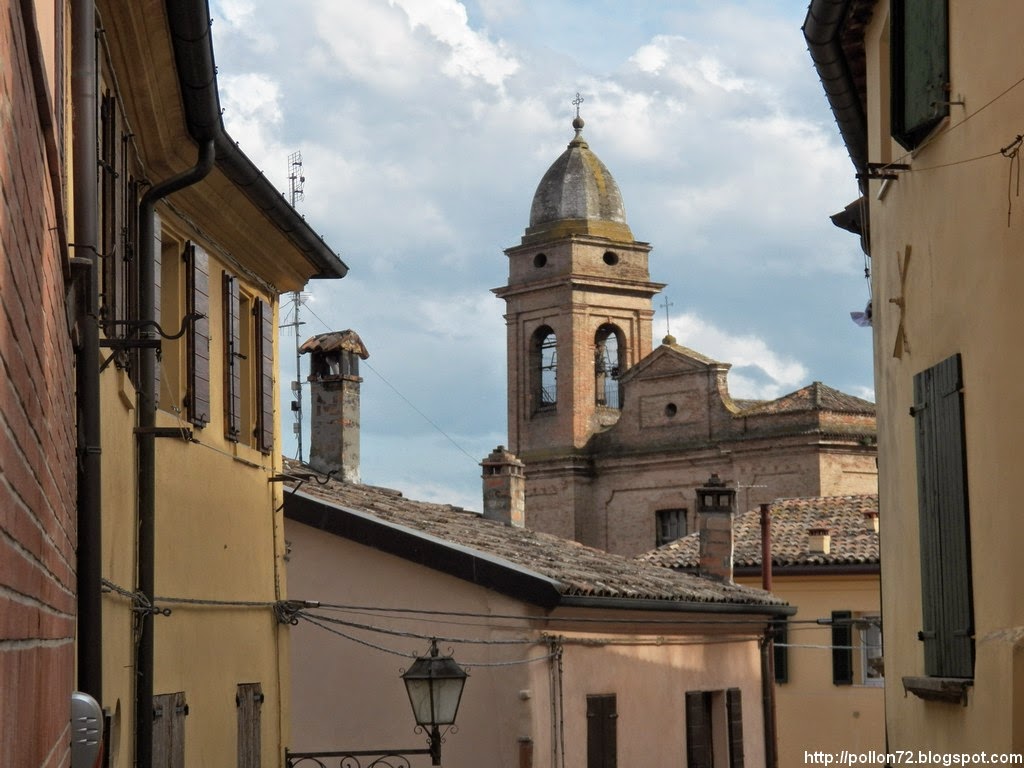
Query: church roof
[524, 563]
[578, 196]
[814, 397]
[848, 520]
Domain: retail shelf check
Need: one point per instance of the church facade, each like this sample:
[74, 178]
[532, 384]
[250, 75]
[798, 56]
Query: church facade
[615, 434]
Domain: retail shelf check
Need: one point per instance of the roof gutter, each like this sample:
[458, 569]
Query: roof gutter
[822, 30]
[190, 22]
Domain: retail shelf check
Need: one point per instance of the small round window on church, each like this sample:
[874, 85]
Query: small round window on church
[540, 260]
[611, 258]
[671, 410]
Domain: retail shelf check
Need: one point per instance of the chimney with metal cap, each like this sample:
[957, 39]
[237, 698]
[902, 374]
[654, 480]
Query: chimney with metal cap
[334, 391]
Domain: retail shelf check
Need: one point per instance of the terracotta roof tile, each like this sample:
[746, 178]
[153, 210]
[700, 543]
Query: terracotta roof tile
[853, 539]
[578, 570]
[813, 397]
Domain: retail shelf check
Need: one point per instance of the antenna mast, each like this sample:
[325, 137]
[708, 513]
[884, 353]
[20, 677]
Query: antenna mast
[295, 193]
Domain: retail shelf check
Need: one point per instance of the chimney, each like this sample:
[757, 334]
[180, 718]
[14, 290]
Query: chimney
[715, 507]
[334, 392]
[819, 540]
[871, 520]
[504, 488]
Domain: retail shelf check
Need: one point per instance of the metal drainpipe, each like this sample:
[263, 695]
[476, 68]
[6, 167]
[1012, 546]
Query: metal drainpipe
[146, 443]
[87, 366]
[768, 645]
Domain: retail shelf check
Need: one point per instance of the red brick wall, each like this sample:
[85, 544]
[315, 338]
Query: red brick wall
[37, 459]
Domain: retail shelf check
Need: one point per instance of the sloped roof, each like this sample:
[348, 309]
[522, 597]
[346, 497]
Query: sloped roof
[527, 564]
[853, 540]
[814, 397]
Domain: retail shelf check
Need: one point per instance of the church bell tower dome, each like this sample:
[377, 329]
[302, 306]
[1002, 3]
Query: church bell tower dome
[577, 196]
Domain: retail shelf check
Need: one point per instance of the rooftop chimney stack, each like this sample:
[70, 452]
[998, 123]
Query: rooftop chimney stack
[871, 520]
[715, 507]
[504, 488]
[819, 540]
[334, 391]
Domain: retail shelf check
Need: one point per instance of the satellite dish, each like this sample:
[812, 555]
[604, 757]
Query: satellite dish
[863, 319]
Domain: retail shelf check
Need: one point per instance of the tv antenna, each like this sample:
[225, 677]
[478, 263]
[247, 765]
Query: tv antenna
[295, 193]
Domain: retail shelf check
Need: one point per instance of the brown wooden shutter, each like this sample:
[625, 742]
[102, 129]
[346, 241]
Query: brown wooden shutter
[265, 378]
[944, 521]
[699, 751]
[920, 68]
[232, 358]
[169, 713]
[601, 737]
[842, 652]
[249, 699]
[198, 272]
[734, 720]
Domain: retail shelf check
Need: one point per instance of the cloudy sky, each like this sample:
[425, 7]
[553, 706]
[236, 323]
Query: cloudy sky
[424, 128]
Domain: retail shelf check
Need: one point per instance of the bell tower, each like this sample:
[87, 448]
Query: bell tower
[578, 308]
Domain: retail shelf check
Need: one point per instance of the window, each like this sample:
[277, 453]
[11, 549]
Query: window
[169, 713]
[544, 368]
[714, 729]
[601, 720]
[197, 289]
[856, 648]
[248, 367]
[944, 521]
[608, 365]
[919, 68]
[264, 353]
[670, 524]
[249, 700]
[234, 358]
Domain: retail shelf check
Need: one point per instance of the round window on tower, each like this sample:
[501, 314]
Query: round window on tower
[611, 258]
[540, 260]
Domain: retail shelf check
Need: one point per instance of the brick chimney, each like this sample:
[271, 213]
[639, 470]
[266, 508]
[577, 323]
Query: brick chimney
[871, 520]
[334, 391]
[715, 507]
[504, 488]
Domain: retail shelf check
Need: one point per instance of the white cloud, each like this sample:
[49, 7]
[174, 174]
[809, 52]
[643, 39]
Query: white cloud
[777, 374]
[471, 54]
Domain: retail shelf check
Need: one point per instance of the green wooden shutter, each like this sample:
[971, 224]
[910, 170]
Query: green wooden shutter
[232, 357]
[842, 652]
[198, 263]
[699, 750]
[944, 523]
[734, 720]
[920, 68]
[601, 737]
[265, 377]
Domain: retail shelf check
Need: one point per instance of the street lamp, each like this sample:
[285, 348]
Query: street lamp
[434, 684]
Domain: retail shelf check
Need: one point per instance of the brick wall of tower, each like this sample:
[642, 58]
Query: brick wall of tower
[37, 434]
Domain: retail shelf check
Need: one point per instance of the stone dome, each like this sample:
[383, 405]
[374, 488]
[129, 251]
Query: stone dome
[577, 196]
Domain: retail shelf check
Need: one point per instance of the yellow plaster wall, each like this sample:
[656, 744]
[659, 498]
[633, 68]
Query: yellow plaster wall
[812, 713]
[965, 228]
[219, 537]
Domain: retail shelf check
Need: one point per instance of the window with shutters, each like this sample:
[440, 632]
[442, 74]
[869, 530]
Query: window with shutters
[842, 647]
[670, 525]
[264, 355]
[249, 700]
[197, 289]
[169, 713]
[947, 629]
[714, 729]
[919, 68]
[235, 358]
[601, 734]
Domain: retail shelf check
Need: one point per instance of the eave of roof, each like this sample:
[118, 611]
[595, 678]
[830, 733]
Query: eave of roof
[527, 565]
